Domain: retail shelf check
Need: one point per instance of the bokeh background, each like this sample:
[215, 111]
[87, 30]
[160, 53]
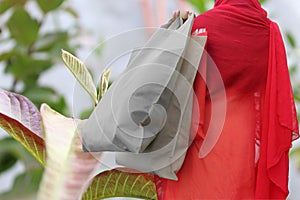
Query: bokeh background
[32, 32]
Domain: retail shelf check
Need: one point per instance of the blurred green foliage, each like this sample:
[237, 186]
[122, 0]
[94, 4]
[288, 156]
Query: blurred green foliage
[201, 6]
[29, 49]
[32, 50]
[25, 186]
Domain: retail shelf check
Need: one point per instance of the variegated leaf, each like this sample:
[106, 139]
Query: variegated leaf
[21, 119]
[116, 183]
[68, 169]
[103, 83]
[81, 73]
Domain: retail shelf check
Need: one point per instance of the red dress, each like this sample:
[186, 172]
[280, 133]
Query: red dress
[250, 158]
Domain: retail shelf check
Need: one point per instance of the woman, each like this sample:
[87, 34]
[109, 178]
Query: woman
[250, 158]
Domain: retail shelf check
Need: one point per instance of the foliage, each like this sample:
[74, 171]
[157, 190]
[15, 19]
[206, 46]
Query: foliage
[68, 170]
[104, 84]
[117, 183]
[22, 120]
[201, 6]
[47, 6]
[63, 146]
[28, 50]
[81, 73]
[25, 185]
[11, 151]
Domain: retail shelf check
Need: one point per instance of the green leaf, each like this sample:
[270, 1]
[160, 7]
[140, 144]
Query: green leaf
[47, 5]
[68, 169]
[39, 95]
[104, 80]
[81, 73]
[23, 67]
[292, 69]
[21, 119]
[50, 41]
[290, 39]
[7, 55]
[7, 4]
[72, 12]
[11, 151]
[22, 27]
[295, 152]
[25, 186]
[86, 113]
[296, 96]
[7, 158]
[116, 183]
[200, 5]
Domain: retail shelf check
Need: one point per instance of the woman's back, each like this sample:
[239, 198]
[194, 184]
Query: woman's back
[238, 45]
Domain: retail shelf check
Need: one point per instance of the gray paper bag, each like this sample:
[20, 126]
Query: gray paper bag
[145, 115]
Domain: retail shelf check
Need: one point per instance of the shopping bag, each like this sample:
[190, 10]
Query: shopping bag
[145, 115]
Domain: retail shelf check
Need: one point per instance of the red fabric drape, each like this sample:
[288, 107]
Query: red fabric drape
[280, 125]
[250, 159]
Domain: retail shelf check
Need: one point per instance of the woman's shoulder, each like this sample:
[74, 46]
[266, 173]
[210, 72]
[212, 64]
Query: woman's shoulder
[204, 18]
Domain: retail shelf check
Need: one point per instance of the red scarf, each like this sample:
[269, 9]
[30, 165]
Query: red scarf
[279, 123]
[230, 23]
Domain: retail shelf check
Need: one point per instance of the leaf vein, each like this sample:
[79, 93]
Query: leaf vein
[134, 183]
[105, 185]
[117, 182]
